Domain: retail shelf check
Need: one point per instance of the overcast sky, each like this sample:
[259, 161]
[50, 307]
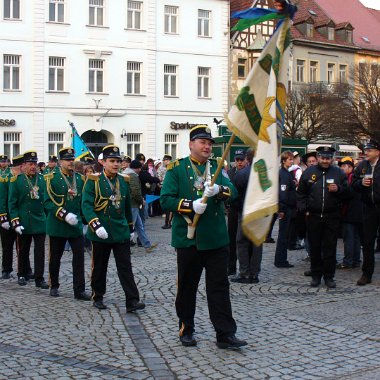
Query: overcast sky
[375, 4]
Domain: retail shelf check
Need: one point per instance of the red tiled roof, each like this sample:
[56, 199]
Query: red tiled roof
[375, 12]
[365, 22]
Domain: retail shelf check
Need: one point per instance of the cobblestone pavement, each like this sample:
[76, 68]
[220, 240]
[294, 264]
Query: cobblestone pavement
[294, 331]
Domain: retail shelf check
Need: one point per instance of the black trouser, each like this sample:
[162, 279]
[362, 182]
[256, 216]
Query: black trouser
[57, 246]
[100, 257]
[371, 223]
[24, 242]
[232, 232]
[323, 235]
[281, 254]
[190, 263]
[8, 238]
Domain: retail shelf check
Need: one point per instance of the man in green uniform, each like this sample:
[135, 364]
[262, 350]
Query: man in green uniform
[106, 206]
[52, 164]
[28, 219]
[186, 181]
[4, 165]
[8, 234]
[62, 202]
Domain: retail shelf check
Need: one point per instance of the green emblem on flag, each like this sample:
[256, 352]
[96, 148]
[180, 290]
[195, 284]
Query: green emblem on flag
[261, 168]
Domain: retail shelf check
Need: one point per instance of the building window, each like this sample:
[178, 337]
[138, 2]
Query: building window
[374, 73]
[95, 80]
[12, 143]
[170, 80]
[57, 10]
[134, 16]
[362, 73]
[56, 140]
[133, 144]
[204, 23]
[12, 9]
[313, 71]
[171, 19]
[96, 17]
[331, 73]
[310, 30]
[300, 70]
[56, 73]
[134, 78]
[204, 82]
[11, 72]
[349, 36]
[171, 145]
[343, 73]
[331, 33]
[242, 67]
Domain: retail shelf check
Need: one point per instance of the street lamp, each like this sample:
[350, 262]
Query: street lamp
[123, 133]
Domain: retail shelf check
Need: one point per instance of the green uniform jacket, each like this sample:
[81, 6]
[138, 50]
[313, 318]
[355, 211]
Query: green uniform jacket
[98, 208]
[5, 172]
[4, 190]
[58, 203]
[48, 170]
[24, 210]
[211, 231]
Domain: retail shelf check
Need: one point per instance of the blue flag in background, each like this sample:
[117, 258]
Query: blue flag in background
[78, 144]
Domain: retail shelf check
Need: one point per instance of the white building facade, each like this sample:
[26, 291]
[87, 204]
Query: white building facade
[137, 73]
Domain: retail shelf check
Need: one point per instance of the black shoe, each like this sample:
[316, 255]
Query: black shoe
[286, 265]
[231, 342]
[307, 273]
[316, 281]
[241, 280]
[6, 275]
[54, 292]
[254, 280]
[166, 227]
[269, 240]
[330, 283]
[99, 305]
[136, 306]
[22, 281]
[363, 280]
[295, 247]
[83, 296]
[29, 276]
[343, 266]
[42, 284]
[188, 340]
[132, 243]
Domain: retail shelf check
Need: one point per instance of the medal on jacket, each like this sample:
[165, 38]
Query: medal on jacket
[199, 184]
[71, 193]
[71, 187]
[199, 178]
[34, 193]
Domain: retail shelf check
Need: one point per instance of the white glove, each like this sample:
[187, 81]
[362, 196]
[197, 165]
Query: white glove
[199, 207]
[102, 233]
[6, 225]
[209, 190]
[19, 229]
[132, 237]
[71, 218]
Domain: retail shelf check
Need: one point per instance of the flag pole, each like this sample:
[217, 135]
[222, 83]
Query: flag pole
[191, 227]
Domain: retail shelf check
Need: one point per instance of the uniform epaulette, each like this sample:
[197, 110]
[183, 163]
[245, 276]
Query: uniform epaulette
[172, 164]
[13, 179]
[48, 176]
[94, 177]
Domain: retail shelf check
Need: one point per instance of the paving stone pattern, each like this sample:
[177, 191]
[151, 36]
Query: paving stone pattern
[294, 331]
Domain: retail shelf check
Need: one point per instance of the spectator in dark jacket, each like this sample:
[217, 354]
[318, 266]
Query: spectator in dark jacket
[352, 220]
[287, 206]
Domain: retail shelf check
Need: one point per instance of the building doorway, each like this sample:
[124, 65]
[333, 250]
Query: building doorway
[95, 141]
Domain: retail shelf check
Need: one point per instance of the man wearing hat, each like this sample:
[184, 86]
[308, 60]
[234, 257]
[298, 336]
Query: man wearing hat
[186, 182]
[62, 202]
[310, 159]
[140, 157]
[367, 182]
[51, 165]
[8, 234]
[352, 220]
[26, 192]
[319, 196]
[232, 221]
[161, 172]
[106, 206]
[4, 165]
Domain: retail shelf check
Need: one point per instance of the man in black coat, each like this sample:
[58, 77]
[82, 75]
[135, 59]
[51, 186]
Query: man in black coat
[367, 182]
[319, 195]
[287, 206]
